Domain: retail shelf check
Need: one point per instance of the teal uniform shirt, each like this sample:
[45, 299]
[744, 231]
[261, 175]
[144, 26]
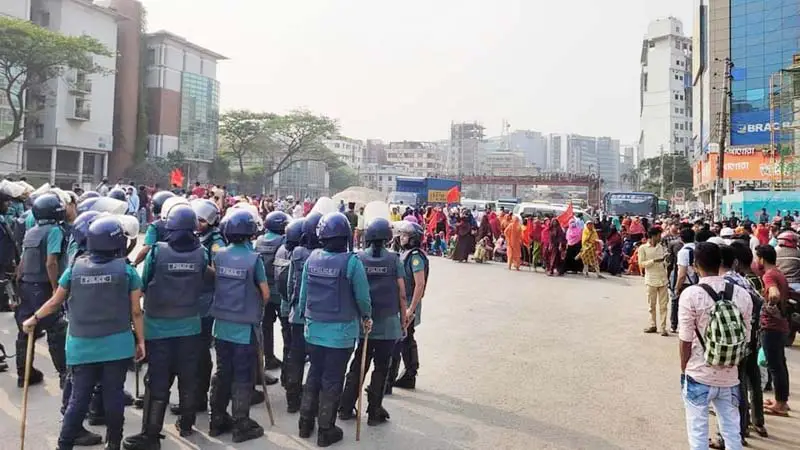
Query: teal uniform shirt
[72, 250]
[161, 328]
[417, 265]
[151, 235]
[30, 222]
[339, 334]
[83, 350]
[15, 209]
[239, 333]
[388, 328]
[274, 294]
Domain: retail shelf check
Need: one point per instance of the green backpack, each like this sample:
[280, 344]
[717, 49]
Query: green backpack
[725, 341]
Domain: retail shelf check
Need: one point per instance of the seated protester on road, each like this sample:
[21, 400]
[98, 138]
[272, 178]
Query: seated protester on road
[708, 374]
[774, 328]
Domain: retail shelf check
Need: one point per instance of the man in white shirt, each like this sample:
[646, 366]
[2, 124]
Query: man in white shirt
[297, 212]
[686, 276]
[703, 384]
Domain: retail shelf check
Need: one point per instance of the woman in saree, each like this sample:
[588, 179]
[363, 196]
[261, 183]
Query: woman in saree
[544, 237]
[465, 240]
[557, 247]
[513, 234]
[535, 234]
[588, 254]
[614, 249]
[572, 262]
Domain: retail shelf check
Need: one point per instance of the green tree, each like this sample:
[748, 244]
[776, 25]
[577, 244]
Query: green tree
[342, 178]
[149, 172]
[31, 56]
[220, 170]
[242, 132]
[297, 137]
[677, 175]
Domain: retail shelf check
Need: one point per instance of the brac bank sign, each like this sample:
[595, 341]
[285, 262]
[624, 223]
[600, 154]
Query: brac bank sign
[753, 128]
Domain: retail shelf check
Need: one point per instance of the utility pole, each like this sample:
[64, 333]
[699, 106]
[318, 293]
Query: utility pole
[661, 178]
[723, 133]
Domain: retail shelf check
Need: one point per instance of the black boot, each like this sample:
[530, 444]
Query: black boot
[376, 415]
[128, 398]
[113, 440]
[272, 363]
[36, 376]
[292, 383]
[309, 405]
[220, 422]
[188, 415]
[244, 428]
[394, 368]
[3, 356]
[408, 380]
[152, 423]
[328, 433]
[349, 396]
[86, 438]
[269, 380]
[97, 413]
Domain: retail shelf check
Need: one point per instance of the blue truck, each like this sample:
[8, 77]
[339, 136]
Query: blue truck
[422, 190]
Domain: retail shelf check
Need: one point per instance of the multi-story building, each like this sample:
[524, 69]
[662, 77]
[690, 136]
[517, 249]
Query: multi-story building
[70, 137]
[350, 151]
[183, 101]
[465, 156]
[572, 153]
[627, 166]
[608, 163]
[532, 144]
[760, 39]
[304, 179]
[504, 163]
[423, 159]
[11, 154]
[665, 89]
[382, 178]
[375, 152]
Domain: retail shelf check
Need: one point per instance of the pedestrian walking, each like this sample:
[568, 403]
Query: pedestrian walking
[104, 294]
[334, 295]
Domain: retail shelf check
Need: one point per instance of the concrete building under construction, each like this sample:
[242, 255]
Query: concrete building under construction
[464, 157]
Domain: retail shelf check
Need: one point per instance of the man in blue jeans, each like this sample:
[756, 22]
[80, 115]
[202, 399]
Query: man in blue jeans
[711, 377]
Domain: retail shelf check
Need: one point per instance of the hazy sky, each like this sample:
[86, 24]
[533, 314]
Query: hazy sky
[403, 70]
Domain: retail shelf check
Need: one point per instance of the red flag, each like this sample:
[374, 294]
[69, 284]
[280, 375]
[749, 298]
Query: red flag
[176, 177]
[563, 219]
[453, 196]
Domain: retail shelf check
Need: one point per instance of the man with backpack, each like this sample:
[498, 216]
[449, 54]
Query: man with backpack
[714, 326]
[685, 275]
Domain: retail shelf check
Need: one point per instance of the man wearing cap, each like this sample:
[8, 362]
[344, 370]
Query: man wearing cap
[726, 234]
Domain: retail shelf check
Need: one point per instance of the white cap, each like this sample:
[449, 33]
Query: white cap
[726, 232]
[716, 240]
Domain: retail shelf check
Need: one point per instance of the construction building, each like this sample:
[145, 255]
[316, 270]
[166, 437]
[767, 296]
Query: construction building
[464, 157]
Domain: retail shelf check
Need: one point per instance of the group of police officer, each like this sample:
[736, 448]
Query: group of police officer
[205, 282]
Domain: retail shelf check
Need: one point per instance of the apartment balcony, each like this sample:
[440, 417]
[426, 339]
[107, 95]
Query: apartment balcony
[81, 114]
[79, 85]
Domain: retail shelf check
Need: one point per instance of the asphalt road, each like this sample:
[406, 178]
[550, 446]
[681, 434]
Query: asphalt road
[508, 361]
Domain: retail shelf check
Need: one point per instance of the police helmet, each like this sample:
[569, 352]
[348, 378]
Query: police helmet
[294, 231]
[118, 194]
[205, 210]
[49, 208]
[276, 222]
[106, 235]
[333, 225]
[158, 201]
[181, 217]
[309, 238]
[239, 224]
[80, 227]
[378, 229]
[171, 203]
[413, 231]
[88, 194]
[86, 205]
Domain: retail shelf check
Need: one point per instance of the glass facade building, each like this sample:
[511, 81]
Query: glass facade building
[199, 116]
[764, 37]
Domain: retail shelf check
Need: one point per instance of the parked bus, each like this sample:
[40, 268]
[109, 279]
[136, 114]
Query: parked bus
[642, 204]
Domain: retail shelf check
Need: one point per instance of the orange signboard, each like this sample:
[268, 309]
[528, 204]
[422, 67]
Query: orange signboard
[742, 167]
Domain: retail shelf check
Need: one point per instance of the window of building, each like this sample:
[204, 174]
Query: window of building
[676, 110]
[686, 46]
[676, 76]
[680, 77]
[676, 126]
[38, 131]
[681, 126]
[44, 19]
[389, 178]
[681, 111]
[380, 177]
[681, 97]
[677, 45]
[151, 56]
[651, 44]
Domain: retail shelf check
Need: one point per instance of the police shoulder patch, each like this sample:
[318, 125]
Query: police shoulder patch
[215, 248]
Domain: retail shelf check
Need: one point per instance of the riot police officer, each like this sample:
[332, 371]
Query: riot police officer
[282, 262]
[172, 326]
[240, 293]
[267, 246]
[416, 266]
[386, 274]
[38, 272]
[211, 239]
[155, 231]
[104, 294]
[9, 258]
[118, 194]
[295, 364]
[334, 296]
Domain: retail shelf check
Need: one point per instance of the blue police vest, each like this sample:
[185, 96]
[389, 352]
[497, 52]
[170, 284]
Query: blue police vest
[267, 248]
[99, 303]
[34, 255]
[329, 296]
[298, 259]
[281, 272]
[174, 291]
[236, 295]
[382, 277]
